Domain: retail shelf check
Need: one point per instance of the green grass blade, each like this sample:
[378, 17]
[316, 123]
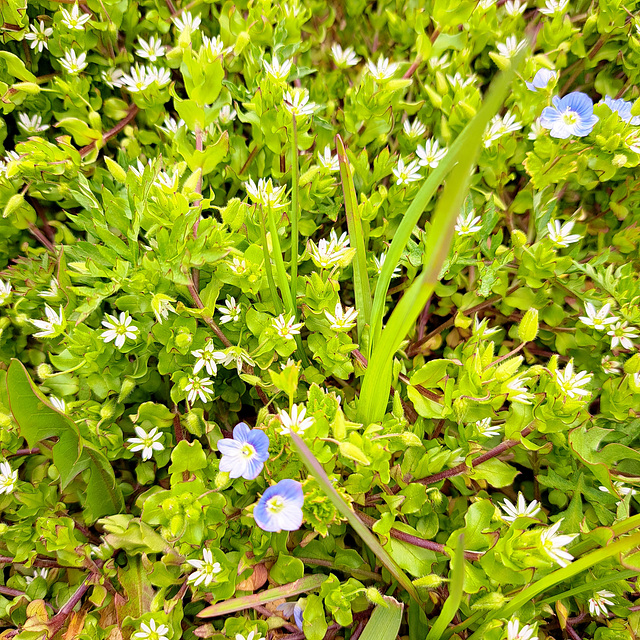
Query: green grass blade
[361, 288]
[277, 303]
[374, 395]
[550, 581]
[315, 468]
[384, 623]
[456, 584]
[295, 213]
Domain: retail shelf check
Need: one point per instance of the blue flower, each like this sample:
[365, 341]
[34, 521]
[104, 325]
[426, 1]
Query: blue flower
[246, 454]
[280, 507]
[294, 609]
[570, 116]
[541, 80]
[623, 108]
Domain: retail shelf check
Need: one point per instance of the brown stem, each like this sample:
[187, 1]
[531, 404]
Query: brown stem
[49, 564]
[412, 69]
[252, 154]
[572, 633]
[11, 592]
[414, 540]
[177, 425]
[25, 452]
[171, 7]
[48, 229]
[269, 614]
[36, 233]
[57, 622]
[133, 111]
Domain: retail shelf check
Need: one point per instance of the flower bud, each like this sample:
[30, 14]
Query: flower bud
[375, 597]
[117, 172]
[44, 371]
[349, 450]
[128, 385]
[108, 409]
[222, 480]
[432, 581]
[528, 328]
[13, 204]
[518, 238]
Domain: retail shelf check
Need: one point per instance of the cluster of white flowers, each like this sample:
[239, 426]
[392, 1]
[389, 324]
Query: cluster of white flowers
[266, 193]
[501, 126]
[141, 77]
[328, 253]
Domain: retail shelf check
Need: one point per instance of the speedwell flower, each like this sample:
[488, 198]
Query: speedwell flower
[280, 507]
[286, 328]
[74, 19]
[245, 454]
[186, 20]
[541, 80]
[52, 326]
[430, 155]
[8, 478]
[621, 334]
[276, 70]
[151, 50]
[39, 36]
[146, 442]
[119, 329]
[560, 234]
[519, 510]
[383, 70]
[342, 320]
[469, 224]
[599, 601]
[74, 63]
[206, 569]
[344, 57]
[571, 383]
[406, 174]
[570, 116]
[152, 631]
[598, 319]
[198, 387]
[553, 544]
[623, 109]
[296, 421]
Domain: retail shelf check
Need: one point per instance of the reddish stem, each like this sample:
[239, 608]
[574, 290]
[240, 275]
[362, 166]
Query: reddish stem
[133, 111]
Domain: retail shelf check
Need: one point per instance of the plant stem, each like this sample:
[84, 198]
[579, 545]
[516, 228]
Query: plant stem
[363, 573]
[295, 179]
[133, 111]
[277, 303]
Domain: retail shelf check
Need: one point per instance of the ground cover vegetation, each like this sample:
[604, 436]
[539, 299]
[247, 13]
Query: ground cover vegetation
[319, 319]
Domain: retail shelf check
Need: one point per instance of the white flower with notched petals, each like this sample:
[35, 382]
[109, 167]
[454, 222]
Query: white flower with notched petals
[112, 77]
[238, 266]
[146, 442]
[553, 544]
[286, 328]
[206, 569]
[119, 329]
[235, 355]
[159, 75]
[519, 510]
[276, 70]
[414, 129]
[74, 63]
[621, 489]
[599, 601]
[382, 70]
[137, 80]
[198, 387]
[295, 421]
[53, 289]
[431, 154]
[165, 181]
[5, 291]
[515, 8]
[486, 428]
[52, 326]
[537, 130]
[599, 320]
[621, 334]
[253, 635]
[328, 253]
[342, 320]
[344, 57]
[439, 64]
[31, 124]
[611, 366]
[328, 161]
[266, 193]
[186, 20]
[458, 82]
[570, 383]
[501, 126]
[482, 329]
[73, 19]
[514, 632]
[152, 631]
[297, 103]
[554, 7]
[517, 391]
[37, 573]
[39, 36]
[561, 234]
[509, 48]
[227, 115]
[8, 478]
[378, 263]
[151, 50]
[231, 310]
[171, 125]
[469, 224]
[216, 46]
[207, 358]
[407, 173]
[58, 403]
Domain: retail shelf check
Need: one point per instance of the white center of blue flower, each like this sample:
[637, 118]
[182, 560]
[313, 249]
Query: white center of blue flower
[570, 117]
[248, 450]
[275, 504]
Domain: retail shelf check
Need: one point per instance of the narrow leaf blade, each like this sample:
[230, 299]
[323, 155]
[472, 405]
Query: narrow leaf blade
[384, 623]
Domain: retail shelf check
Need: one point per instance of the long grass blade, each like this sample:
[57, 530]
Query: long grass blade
[315, 468]
[295, 212]
[384, 623]
[361, 288]
[376, 385]
[277, 303]
[456, 584]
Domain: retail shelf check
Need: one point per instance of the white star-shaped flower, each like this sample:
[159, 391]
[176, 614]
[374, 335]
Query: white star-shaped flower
[146, 442]
[286, 328]
[430, 155]
[519, 510]
[276, 70]
[74, 63]
[75, 20]
[151, 50]
[52, 326]
[342, 320]
[198, 387]
[119, 329]
[407, 173]
[571, 383]
[599, 601]
[382, 70]
[553, 544]
[561, 234]
[469, 224]
[206, 569]
[344, 57]
[186, 20]
[39, 36]
[8, 478]
[621, 334]
[295, 421]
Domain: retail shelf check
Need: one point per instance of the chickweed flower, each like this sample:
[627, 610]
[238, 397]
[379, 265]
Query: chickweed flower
[231, 310]
[119, 329]
[560, 234]
[186, 20]
[501, 126]
[344, 57]
[621, 334]
[610, 366]
[245, 454]
[514, 632]
[37, 573]
[517, 391]
[227, 114]
[569, 116]
[58, 403]
[39, 36]
[277, 71]
[235, 355]
[469, 224]
[408, 173]
[5, 291]
[382, 70]
[152, 631]
[161, 306]
[623, 108]
[328, 161]
[329, 253]
[297, 103]
[519, 510]
[165, 181]
[599, 320]
[151, 50]
[541, 80]
[515, 8]
[146, 442]
[198, 387]
[265, 193]
[620, 487]
[8, 478]
[342, 320]
[216, 46]
[280, 507]
[52, 326]
[378, 263]
[160, 75]
[486, 429]
[553, 544]
[482, 329]
[554, 7]
[253, 635]
[295, 421]
[137, 80]
[286, 328]
[414, 129]
[73, 19]
[207, 358]
[599, 601]
[430, 155]
[458, 82]
[571, 383]
[74, 63]
[509, 48]
[112, 77]
[206, 569]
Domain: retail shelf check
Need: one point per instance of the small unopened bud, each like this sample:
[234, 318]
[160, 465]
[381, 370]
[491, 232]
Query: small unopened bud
[13, 204]
[432, 581]
[128, 385]
[44, 371]
[518, 239]
[222, 480]
[528, 328]
[375, 597]
[351, 451]
[108, 409]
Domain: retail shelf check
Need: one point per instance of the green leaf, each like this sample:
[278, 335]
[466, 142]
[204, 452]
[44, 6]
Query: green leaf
[188, 456]
[39, 421]
[384, 623]
[286, 569]
[495, 472]
[137, 589]
[80, 130]
[16, 67]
